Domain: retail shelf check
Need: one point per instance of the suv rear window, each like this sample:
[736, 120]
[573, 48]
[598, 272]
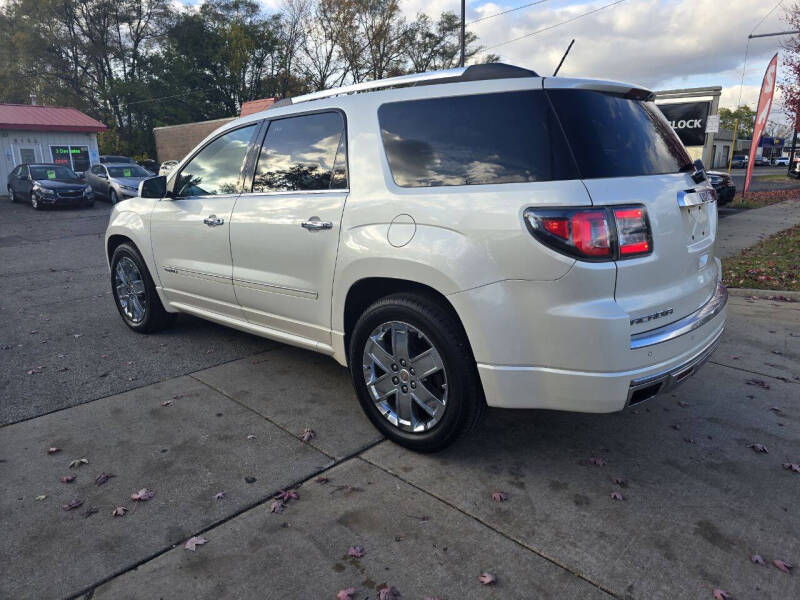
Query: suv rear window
[612, 136]
[471, 140]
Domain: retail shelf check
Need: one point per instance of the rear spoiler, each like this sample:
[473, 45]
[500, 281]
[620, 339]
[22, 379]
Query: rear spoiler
[618, 88]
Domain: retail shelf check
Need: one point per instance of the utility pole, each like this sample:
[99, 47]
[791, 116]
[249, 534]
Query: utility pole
[463, 32]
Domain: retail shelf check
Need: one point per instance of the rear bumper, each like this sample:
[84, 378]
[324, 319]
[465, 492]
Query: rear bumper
[598, 366]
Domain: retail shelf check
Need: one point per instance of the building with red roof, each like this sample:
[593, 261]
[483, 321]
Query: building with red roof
[30, 133]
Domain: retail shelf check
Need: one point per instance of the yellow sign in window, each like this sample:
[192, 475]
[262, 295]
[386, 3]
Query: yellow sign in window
[51, 174]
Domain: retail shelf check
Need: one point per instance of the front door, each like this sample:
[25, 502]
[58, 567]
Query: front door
[190, 228]
[285, 231]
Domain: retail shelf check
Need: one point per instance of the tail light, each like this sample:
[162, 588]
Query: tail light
[593, 234]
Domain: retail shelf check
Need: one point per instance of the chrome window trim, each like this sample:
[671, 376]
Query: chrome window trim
[293, 192]
[697, 319]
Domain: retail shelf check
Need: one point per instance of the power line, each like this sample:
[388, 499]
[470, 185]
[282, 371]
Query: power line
[505, 12]
[586, 14]
[747, 50]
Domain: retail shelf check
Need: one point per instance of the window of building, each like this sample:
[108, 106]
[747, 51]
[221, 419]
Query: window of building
[73, 157]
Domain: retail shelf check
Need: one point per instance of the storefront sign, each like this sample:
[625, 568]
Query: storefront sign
[688, 119]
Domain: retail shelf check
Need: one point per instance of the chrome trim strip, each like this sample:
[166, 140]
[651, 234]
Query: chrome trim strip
[697, 319]
[277, 289]
[696, 197]
[196, 274]
[669, 380]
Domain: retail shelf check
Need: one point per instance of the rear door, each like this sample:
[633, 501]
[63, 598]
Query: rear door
[627, 153]
[285, 230]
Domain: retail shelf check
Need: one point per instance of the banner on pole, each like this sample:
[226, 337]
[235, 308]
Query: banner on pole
[762, 114]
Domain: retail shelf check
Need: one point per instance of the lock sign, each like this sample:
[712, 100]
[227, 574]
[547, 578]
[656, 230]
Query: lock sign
[688, 119]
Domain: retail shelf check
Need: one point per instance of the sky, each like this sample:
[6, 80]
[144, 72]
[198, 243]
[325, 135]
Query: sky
[660, 44]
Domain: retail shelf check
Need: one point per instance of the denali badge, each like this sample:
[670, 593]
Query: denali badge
[653, 317]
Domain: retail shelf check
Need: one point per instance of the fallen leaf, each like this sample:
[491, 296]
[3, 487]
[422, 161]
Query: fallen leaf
[142, 495]
[308, 434]
[53, 450]
[74, 504]
[620, 481]
[389, 593]
[166, 403]
[78, 462]
[219, 496]
[77, 335]
[322, 480]
[249, 479]
[102, 478]
[498, 497]
[68, 479]
[119, 511]
[792, 467]
[775, 409]
[356, 551]
[346, 594]
[89, 512]
[783, 566]
[757, 559]
[277, 506]
[487, 578]
[287, 495]
[689, 440]
[617, 496]
[193, 542]
[40, 498]
[759, 448]
[682, 404]
[597, 461]
[676, 427]
[720, 594]
[251, 437]
[758, 383]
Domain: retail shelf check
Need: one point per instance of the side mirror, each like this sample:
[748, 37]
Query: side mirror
[155, 187]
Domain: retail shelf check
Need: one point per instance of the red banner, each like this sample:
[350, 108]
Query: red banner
[762, 113]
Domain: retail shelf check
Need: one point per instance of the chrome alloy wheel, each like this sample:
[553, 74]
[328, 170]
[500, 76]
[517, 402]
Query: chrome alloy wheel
[405, 376]
[129, 286]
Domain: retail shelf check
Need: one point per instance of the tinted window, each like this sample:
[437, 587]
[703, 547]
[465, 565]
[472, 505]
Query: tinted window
[469, 140]
[215, 170]
[612, 136]
[303, 153]
[130, 171]
[54, 172]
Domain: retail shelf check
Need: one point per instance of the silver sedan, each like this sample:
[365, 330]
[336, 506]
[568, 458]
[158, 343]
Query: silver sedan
[116, 181]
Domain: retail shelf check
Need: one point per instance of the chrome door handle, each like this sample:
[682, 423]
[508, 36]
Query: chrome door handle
[314, 224]
[213, 221]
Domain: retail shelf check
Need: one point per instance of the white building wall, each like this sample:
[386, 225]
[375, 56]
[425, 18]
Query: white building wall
[11, 141]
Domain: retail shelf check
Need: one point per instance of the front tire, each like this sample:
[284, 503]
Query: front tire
[135, 293]
[414, 373]
[112, 197]
[35, 203]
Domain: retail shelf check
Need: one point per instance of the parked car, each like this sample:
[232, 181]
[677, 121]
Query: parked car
[761, 161]
[780, 161]
[116, 181]
[739, 162]
[149, 164]
[795, 170]
[167, 166]
[520, 262]
[109, 158]
[723, 186]
[45, 184]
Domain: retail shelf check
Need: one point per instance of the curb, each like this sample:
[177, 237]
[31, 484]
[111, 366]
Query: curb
[765, 294]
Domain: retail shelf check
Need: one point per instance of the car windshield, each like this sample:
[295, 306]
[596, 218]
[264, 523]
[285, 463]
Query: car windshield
[128, 171]
[52, 172]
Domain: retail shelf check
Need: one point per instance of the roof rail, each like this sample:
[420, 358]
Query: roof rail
[460, 74]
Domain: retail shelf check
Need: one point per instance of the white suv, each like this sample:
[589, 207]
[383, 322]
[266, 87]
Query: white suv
[483, 236]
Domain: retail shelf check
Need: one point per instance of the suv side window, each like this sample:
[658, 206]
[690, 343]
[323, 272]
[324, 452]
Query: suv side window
[307, 152]
[216, 169]
[508, 137]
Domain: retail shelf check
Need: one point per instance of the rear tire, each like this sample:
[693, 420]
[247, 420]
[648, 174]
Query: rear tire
[130, 277]
[419, 328]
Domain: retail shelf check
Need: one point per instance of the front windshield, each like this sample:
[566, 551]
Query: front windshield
[53, 172]
[128, 171]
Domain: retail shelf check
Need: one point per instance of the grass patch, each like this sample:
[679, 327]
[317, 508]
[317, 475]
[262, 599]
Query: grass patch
[761, 199]
[773, 264]
[775, 177]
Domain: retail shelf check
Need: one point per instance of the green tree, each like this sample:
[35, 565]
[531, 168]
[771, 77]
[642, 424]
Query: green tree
[744, 114]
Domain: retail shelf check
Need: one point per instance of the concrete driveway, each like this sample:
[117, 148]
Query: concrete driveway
[188, 424]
